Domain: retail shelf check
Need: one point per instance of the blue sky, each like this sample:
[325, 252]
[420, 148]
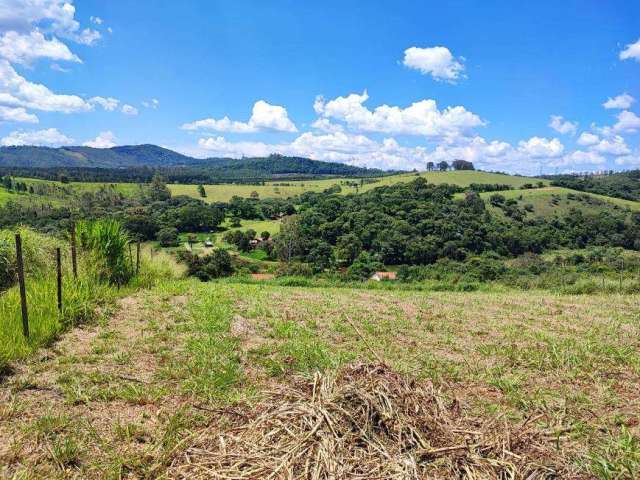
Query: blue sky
[511, 87]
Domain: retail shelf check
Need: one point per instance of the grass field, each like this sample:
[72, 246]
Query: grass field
[541, 199]
[224, 192]
[283, 188]
[183, 362]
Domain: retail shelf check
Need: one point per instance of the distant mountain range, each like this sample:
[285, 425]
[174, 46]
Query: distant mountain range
[19, 159]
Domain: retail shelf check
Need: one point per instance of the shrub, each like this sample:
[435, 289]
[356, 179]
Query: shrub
[108, 241]
[215, 265]
[168, 237]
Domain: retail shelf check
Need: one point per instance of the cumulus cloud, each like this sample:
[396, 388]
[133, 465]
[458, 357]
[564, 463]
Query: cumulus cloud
[627, 122]
[19, 114]
[420, 118]
[587, 139]
[563, 126]
[435, 61]
[579, 157]
[335, 147]
[103, 140]
[16, 91]
[107, 103]
[631, 51]
[539, 147]
[25, 48]
[55, 16]
[621, 102]
[48, 137]
[613, 146]
[95, 20]
[264, 116]
[129, 109]
[325, 125]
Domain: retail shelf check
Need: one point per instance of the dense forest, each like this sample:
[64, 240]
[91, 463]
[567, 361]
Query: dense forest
[419, 223]
[620, 184]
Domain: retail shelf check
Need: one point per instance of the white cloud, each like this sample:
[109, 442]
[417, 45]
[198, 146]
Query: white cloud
[631, 51]
[325, 125]
[129, 109]
[16, 91]
[622, 102]
[336, 147]
[19, 114]
[563, 126]
[103, 140]
[420, 118]
[56, 16]
[24, 48]
[48, 137]
[627, 122]
[632, 160]
[579, 157]
[108, 103]
[614, 146]
[435, 61]
[539, 147]
[587, 138]
[153, 103]
[264, 116]
[95, 20]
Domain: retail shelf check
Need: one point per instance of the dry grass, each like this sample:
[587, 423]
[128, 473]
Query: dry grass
[369, 422]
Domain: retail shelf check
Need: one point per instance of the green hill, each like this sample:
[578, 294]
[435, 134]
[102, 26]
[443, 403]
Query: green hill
[140, 162]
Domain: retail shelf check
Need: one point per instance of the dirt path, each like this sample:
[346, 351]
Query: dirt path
[100, 402]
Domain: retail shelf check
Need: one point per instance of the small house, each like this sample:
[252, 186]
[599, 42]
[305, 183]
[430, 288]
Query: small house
[379, 276]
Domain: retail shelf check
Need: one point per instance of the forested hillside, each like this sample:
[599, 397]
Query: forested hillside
[137, 163]
[620, 185]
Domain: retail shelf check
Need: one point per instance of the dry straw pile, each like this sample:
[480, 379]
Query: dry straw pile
[365, 422]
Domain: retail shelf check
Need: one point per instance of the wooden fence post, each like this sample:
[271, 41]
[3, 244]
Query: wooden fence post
[138, 257]
[23, 289]
[130, 256]
[59, 268]
[74, 252]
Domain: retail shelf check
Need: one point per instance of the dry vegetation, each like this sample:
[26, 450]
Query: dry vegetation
[196, 379]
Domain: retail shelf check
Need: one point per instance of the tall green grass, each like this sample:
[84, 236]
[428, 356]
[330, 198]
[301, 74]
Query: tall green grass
[99, 284]
[37, 251]
[108, 243]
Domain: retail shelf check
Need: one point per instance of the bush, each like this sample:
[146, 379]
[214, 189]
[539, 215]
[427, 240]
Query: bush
[108, 241]
[168, 237]
[364, 266]
[215, 265]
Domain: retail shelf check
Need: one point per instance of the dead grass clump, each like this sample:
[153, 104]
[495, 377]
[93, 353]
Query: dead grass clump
[365, 422]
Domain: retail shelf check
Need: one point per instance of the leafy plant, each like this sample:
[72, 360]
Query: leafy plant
[108, 241]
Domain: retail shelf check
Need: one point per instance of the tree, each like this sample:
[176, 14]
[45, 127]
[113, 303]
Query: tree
[288, 243]
[158, 190]
[168, 237]
[462, 165]
[443, 166]
[202, 191]
[347, 249]
[321, 256]
[364, 266]
[430, 166]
